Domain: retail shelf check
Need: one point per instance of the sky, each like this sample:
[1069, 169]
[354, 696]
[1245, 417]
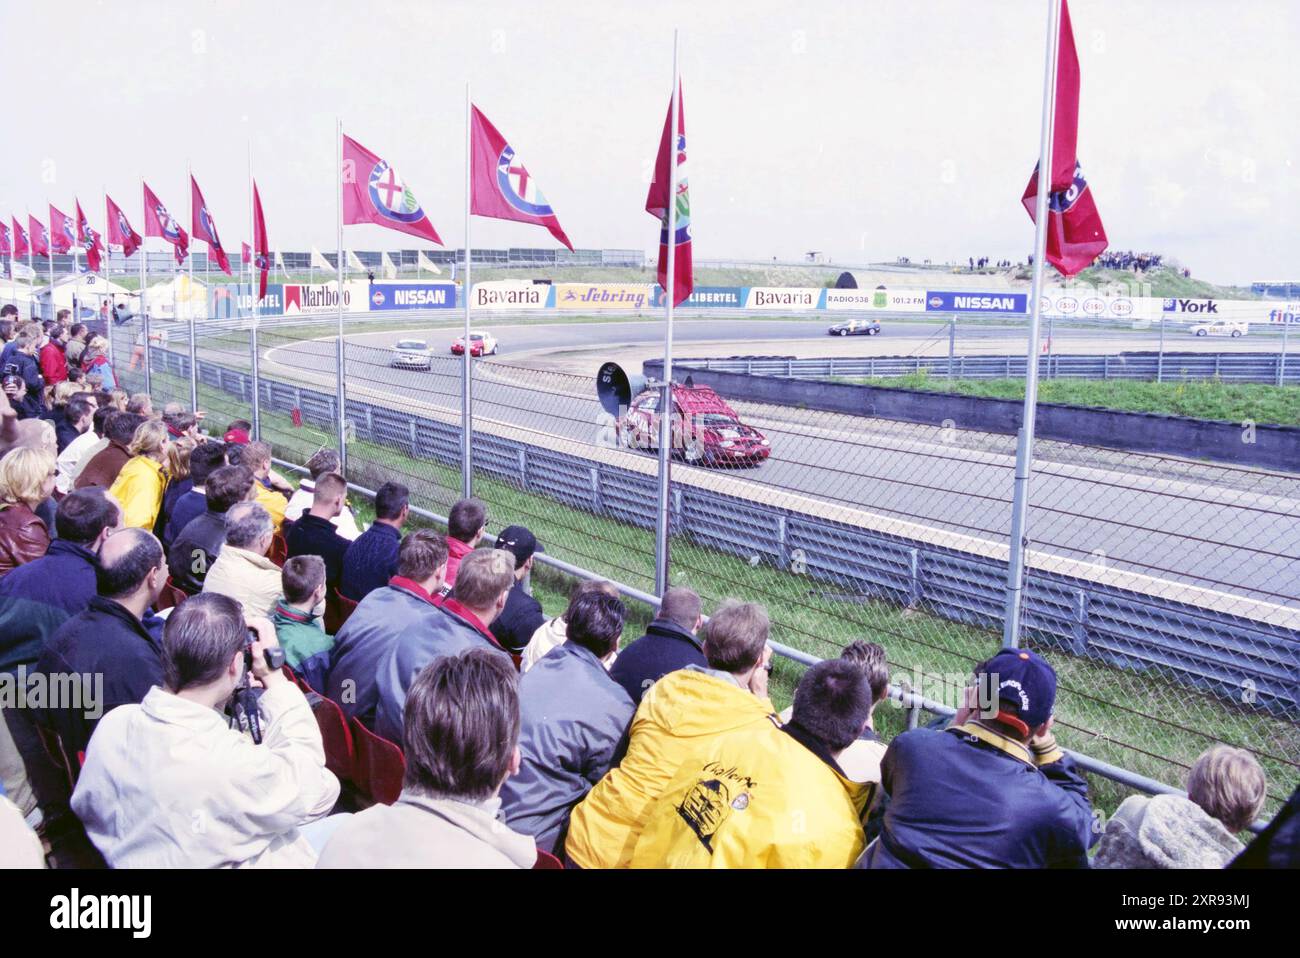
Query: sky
[864, 130]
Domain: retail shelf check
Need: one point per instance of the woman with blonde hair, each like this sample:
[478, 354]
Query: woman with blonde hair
[178, 477]
[26, 480]
[95, 363]
[139, 486]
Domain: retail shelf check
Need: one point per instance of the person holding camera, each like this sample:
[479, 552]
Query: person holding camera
[170, 782]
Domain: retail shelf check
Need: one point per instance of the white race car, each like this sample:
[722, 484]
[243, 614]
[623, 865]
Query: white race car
[412, 354]
[1220, 327]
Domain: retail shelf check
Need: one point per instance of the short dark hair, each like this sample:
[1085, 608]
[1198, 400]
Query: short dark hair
[595, 622]
[833, 702]
[328, 486]
[300, 577]
[681, 606]
[104, 397]
[76, 330]
[121, 428]
[128, 571]
[202, 635]
[461, 725]
[242, 424]
[78, 405]
[205, 459]
[390, 499]
[100, 422]
[226, 486]
[736, 635]
[323, 461]
[583, 587]
[6, 324]
[85, 513]
[420, 553]
[870, 659]
[8, 309]
[466, 519]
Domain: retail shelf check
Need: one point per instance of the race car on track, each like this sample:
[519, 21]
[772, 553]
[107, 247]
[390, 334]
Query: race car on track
[705, 430]
[411, 354]
[480, 344]
[1220, 327]
[855, 327]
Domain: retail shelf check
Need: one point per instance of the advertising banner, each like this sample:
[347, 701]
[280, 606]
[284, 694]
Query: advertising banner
[235, 301]
[386, 296]
[776, 297]
[1086, 304]
[986, 301]
[880, 298]
[720, 297]
[324, 298]
[512, 294]
[601, 296]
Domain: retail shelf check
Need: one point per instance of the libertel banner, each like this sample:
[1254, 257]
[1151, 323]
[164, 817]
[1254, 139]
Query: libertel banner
[715, 297]
[999, 301]
[508, 294]
[324, 298]
[385, 296]
[880, 298]
[776, 297]
[601, 296]
[235, 301]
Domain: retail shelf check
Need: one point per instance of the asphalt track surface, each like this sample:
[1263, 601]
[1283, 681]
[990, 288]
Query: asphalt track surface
[1206, 530]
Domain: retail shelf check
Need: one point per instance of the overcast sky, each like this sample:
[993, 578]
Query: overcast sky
[865, 130]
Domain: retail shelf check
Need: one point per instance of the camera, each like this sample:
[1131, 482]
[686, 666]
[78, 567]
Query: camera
[274, 657]
[12, 381]
[243, 704]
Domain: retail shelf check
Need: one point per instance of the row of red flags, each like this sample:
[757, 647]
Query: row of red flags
[502, 188]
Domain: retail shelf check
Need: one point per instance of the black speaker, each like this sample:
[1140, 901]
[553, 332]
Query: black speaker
[616, 389]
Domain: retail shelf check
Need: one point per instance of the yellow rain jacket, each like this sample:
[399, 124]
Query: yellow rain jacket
[685, 712]
[758, 799]
[139, 488]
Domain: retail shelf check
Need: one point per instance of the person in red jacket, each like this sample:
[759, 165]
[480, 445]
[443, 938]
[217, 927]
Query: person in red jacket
[54, 364]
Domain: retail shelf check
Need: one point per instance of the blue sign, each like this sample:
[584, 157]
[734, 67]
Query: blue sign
[989, 301]
[412, 296]
[235, 300]
[721, 297]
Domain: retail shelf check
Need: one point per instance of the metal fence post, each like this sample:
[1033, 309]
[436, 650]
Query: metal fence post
[340, 390]
[257, 382]
[194, 362]
[1281, 360]
[148, 370]
[1160, 356]
[952, 344]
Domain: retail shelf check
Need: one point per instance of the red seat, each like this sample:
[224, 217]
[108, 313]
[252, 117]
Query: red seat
[546, 861]
[171, 596]
[379, 765]
[279, 549]
[338, 609]
[340, 754]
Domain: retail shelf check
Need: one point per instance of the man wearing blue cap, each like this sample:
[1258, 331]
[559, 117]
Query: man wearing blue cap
[992, 790]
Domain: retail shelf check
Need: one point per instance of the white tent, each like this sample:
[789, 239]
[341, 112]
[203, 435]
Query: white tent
[168, 299]
[89, 289]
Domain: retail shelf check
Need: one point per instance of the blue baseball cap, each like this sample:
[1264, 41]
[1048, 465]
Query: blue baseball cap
[1025, 687]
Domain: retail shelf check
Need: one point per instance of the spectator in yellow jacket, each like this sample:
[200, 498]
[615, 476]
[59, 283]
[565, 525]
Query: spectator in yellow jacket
[770, 797]
[684, 713]
[271, 495]
[139, 486]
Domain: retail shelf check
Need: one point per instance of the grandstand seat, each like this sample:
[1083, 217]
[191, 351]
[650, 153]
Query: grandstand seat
[546, 862]
[379, 765]
[340, 752]
[279, 549]
[171, 596]
[338, 609]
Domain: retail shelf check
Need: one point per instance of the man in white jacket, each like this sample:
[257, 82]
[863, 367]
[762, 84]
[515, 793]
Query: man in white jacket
[168, 782]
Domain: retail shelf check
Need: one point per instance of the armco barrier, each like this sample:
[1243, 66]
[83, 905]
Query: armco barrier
[1206, 649]
[1272, 447]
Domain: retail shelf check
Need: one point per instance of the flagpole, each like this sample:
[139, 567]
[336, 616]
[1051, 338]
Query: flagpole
[467, 390]
[31, 267]
[340, 392]
[663, 515]
[1019, 542]
[49, 253]
[252, 292]
[144, 311]
[189, 300]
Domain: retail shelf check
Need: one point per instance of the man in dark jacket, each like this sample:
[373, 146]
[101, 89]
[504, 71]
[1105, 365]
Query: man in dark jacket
[993, 790]
[74, 419]
[669, 644]
[573, 721]
[108, 462]
[199, 543]
[314, 533]
[39, 596]
[371, 559]
[461, 623]
[206, 459]
[108, 646]
[408, 604]
[522, 615]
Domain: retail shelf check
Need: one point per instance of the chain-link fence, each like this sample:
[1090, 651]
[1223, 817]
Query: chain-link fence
[1164, 591]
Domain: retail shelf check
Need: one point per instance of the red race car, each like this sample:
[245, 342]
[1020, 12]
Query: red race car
[480, 344]
[705, 430]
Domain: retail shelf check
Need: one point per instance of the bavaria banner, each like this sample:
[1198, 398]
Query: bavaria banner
[324, 298]
[776, 297]
[880, 298]
[512, 294]
[384, 296]
[987, 301]
[601, 296]
[724, 297]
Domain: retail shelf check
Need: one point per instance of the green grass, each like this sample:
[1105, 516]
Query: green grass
[1200, 399]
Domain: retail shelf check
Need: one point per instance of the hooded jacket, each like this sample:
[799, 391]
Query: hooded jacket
[139, 488]
[764, 797]
[684, 714]
[1164, 831]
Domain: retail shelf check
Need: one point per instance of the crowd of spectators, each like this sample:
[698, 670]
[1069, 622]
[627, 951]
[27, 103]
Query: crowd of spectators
[174, 568]
[1127, 259]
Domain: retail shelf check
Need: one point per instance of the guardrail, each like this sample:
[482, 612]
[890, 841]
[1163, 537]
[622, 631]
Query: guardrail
[1205, 648]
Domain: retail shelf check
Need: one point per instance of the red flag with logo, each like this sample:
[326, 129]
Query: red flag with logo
[40, 236]
[63, 231]
[1075, 235]
[261, 251]
[88, 240]
[158, 222]
[21, 249]
[500, 186]
[245, 253]
[5, 248]
[656, 204]
[204, 227]
[119, 230]
[374, 193]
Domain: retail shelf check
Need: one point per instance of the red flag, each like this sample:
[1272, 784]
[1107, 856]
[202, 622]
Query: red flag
[5, 248]
[500, 185]
[204, 228]
[656, 204]
[374, 193]
[245, 253]
[119, 230]
[262, 252]
[63, 231]
[88, 239]
[158, 222]
[21, 248]
[40, 236]
[1075, 235]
